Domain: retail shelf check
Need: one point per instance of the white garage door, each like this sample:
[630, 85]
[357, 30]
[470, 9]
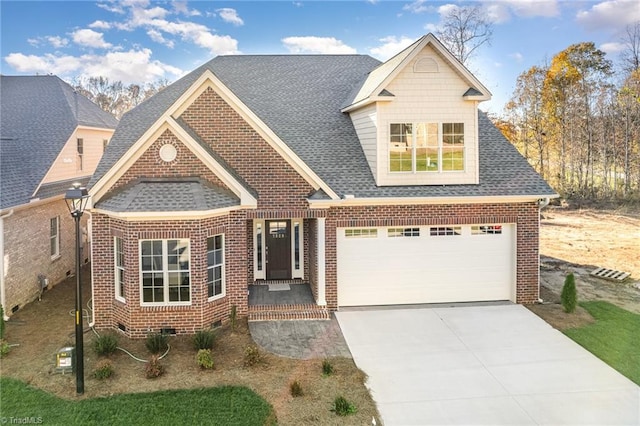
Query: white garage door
[427, 264]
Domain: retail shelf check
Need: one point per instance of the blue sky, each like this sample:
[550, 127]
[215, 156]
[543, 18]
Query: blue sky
[137, 41]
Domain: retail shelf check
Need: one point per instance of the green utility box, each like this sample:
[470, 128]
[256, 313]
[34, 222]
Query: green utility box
[66, 360]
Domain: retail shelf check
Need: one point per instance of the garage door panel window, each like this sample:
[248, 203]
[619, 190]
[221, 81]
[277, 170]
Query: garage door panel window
[403, 232]
[439, 231]
[361, 233]
[486, 230]
[426, 147]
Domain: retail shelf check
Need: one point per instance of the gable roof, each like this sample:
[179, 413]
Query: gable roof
[373, 86]
[299, 97]
[38, 115]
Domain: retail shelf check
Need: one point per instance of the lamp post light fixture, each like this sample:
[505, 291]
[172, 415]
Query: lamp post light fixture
[76, 199]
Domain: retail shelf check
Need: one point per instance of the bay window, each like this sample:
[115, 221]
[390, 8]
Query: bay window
[164, 266]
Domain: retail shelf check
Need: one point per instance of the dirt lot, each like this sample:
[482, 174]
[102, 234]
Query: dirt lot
[578, 241]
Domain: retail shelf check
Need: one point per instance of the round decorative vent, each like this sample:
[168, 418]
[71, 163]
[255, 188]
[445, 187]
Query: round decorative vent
[168, 152]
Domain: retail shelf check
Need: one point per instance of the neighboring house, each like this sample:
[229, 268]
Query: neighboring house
[50, 137]
[375, 183]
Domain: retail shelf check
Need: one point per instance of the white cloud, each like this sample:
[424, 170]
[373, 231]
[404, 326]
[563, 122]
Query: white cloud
[322, 45]
[231, 16]
[612, 48]
[181, 8]
[610, 14]
[35, 42]
[390, 46]
[418, 6]
[158, 38]
[90, 38]
[134, 66]
[197, 34]
[532, 8]
[101, 25]
[111, 6]
[57, 41]
[517, 56]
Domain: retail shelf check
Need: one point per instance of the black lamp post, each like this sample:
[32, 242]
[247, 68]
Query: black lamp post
[76, 199]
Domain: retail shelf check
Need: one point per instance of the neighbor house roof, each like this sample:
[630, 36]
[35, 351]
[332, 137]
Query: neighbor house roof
[38, 115]
[299, 97]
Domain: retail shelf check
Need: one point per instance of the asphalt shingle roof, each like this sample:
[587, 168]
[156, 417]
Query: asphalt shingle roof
[167, 195]
[38, 115]
[299, 97]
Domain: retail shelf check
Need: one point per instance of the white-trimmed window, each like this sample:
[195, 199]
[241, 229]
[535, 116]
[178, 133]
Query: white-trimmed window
[361, 233]
[297, 249]
[426, 147]
[438, 231]
[164, 266]
[486, 229]
[215, 266]
[403, 232]
[118, 261]
[54, 237]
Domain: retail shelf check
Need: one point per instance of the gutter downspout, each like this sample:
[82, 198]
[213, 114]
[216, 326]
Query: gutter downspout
[2, 290]
[542, 203]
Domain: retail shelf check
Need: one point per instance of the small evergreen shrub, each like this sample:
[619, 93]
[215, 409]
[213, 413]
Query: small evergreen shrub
[295, 389]
[205, 359]
[156, 343]
[104, 369]
[105, 344]
[569, 295]
[252, 356]
[1, 322]
[233, 316]
[204, 339]
[4, 348]
[153, 368]
[327, 367]
[342, 407]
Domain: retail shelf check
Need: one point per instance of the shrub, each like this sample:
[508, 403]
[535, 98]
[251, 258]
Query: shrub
[327, 367]
[204, 339]
[156, 343]
[569, 295]
[252, 356]
[104, 369]
[105, 344]
[4, 348]
[205, 359]
[295, 389]
[342, 407]
[233, 316]
[153, 368]
[1, 322]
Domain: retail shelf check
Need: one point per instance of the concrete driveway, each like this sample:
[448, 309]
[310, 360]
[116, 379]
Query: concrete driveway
[497, 364]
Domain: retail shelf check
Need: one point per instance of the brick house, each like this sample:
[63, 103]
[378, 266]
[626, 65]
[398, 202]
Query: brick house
[50, 138]
[371, 183]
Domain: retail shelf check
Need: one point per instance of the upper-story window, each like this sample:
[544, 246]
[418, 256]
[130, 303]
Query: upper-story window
[426, 147]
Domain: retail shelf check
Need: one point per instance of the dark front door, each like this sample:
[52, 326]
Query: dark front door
[278, 249]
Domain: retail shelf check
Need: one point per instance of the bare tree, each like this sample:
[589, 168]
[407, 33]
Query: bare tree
[464, 30]
[630, 56]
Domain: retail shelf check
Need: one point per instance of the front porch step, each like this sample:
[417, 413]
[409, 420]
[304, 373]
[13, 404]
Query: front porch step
[288, 312]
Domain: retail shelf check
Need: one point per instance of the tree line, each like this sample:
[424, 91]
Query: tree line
[577, 120]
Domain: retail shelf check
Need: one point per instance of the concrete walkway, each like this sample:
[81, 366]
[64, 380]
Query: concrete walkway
[304, 339]
[494, 365]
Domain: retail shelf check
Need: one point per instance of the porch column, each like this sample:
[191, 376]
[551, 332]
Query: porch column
[321, 262]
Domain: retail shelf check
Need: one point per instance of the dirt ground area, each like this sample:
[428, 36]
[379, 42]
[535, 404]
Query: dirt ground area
[579, 241]
[43, 327]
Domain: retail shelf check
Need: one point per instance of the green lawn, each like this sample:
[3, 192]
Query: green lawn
[614, 337]
[228, 405]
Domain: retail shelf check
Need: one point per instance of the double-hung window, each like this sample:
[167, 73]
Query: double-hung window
[215, 266]
[426, 147]
[118, 254]
[165, 273]
[54, 236]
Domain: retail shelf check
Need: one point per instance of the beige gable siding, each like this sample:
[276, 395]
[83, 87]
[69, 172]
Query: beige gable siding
[69, 164]
[365, 123]
[434, 97]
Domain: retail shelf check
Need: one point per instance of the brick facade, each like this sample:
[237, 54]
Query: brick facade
[27, 251]
[282, 194]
